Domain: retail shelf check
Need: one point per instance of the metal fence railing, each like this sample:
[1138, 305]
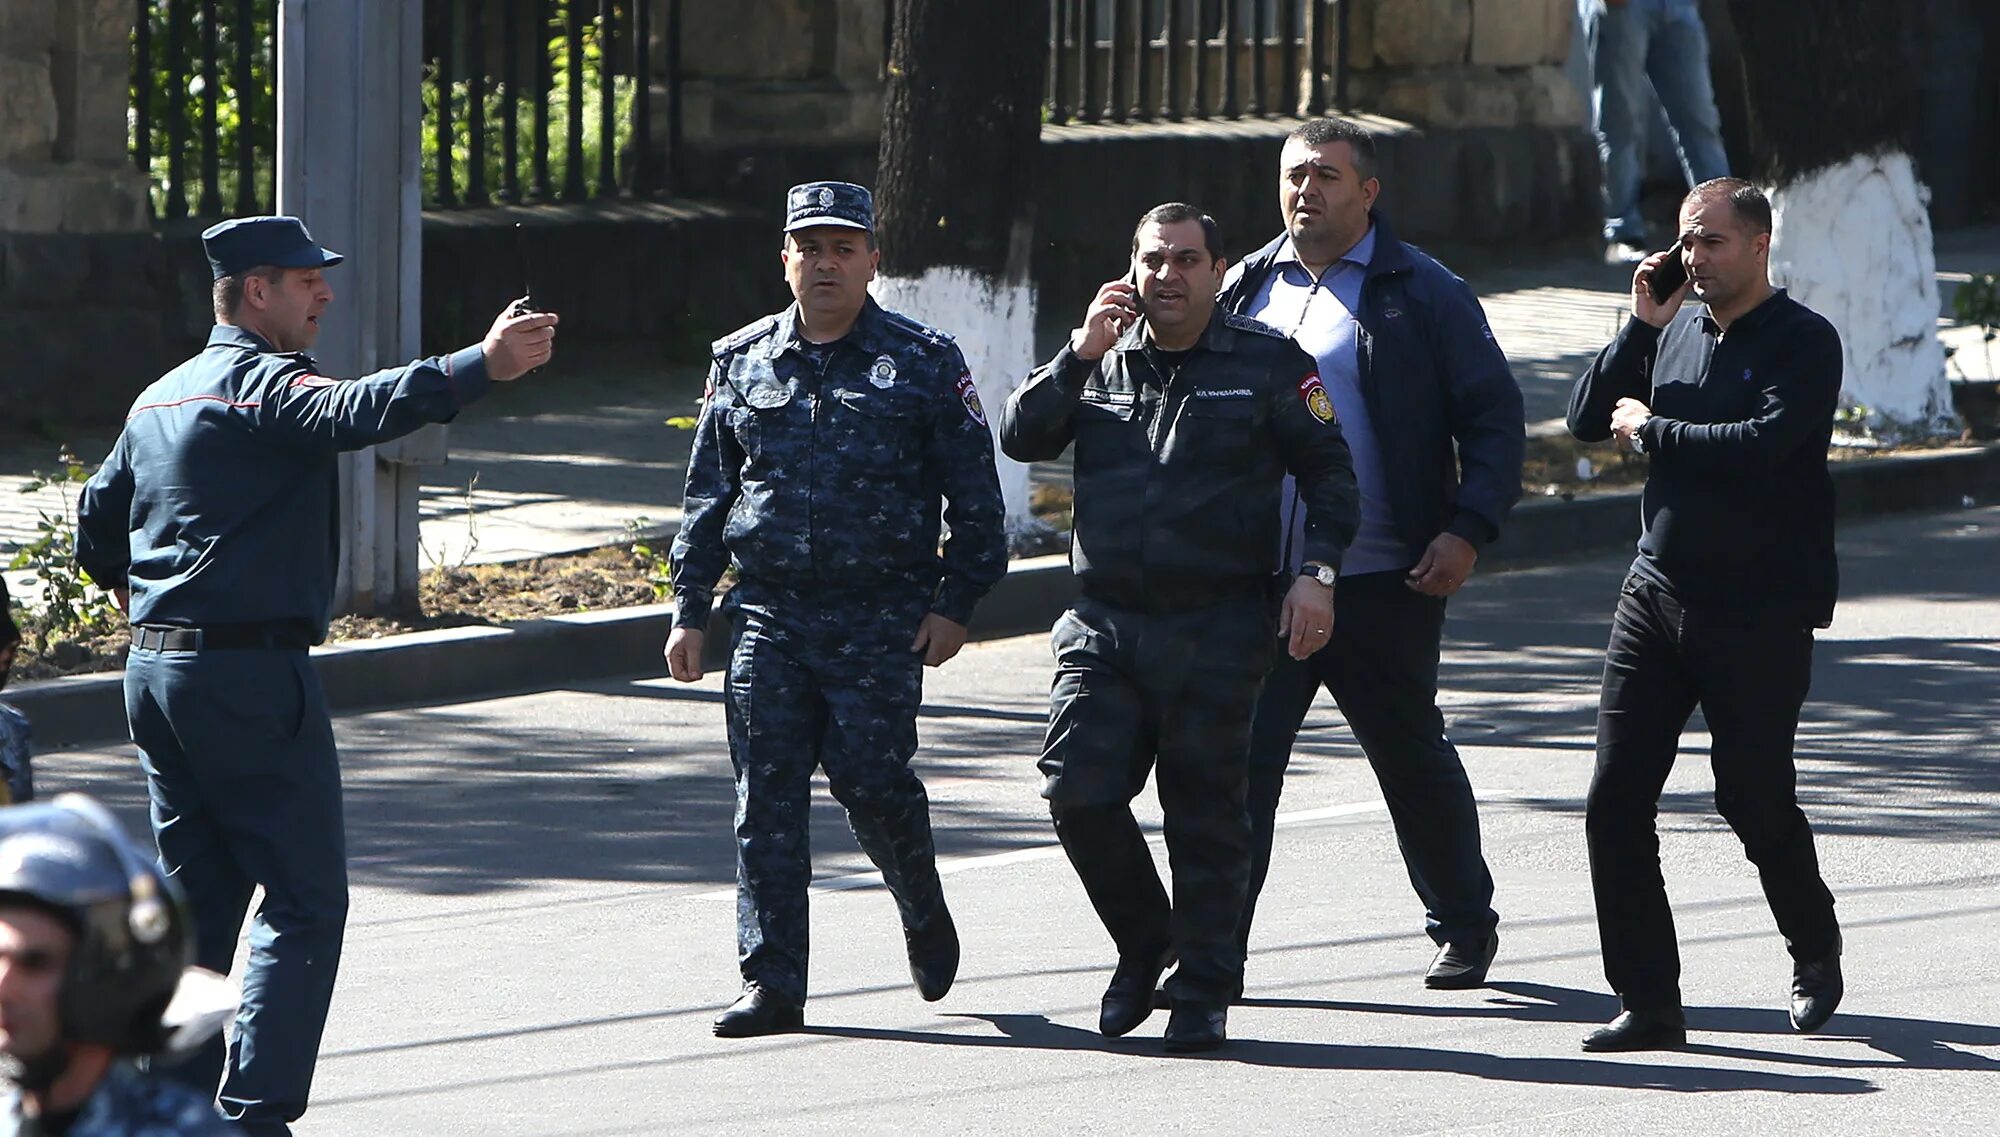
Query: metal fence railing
[523, 101]
[1167, 60]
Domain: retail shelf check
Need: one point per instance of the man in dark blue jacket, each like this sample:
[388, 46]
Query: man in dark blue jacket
[214, 521]
[1433, 416]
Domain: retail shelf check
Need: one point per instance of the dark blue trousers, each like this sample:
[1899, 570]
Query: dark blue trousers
[245, 786]
[1381, 667]
[822, 679]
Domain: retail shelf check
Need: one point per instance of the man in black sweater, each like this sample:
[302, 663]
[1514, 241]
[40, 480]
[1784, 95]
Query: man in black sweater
[1734, 407]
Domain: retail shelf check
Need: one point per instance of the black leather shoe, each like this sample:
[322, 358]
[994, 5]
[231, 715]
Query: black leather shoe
[1460, 965]
[1816, 991]
[1194, 1027]
[1638, 1030]
[1130, 998]
[758, 1011]
[933, 948]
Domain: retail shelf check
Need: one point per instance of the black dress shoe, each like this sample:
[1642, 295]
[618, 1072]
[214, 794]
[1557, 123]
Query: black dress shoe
[1816, 991]
[1639, 1030]
[1194, 1027]
[1461, 965]
[933, 948]
[758, 1011]
[1130, 998]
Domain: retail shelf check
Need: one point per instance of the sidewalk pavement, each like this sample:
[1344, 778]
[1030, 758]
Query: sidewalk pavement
[570, 458]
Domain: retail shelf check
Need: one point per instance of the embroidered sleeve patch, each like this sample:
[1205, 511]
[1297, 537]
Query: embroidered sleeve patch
[1314, 394]
[969, 395]
[312, 381]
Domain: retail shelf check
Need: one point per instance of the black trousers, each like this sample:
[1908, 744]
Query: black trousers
[1381, 667]
[1750, 679]
[1132, 690]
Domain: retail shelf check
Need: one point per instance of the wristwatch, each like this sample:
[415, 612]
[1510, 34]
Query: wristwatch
[1319, 572]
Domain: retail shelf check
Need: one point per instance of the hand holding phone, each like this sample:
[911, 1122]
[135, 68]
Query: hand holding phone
[1138, 302]
[1659, 285]
[1114, 309]
[1668, 276]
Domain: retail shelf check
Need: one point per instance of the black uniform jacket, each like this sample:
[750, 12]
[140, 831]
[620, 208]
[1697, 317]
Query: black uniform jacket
[1177, 476]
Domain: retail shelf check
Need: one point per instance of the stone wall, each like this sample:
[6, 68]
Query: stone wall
[775, 92]
[1453, 64]
[80, 288]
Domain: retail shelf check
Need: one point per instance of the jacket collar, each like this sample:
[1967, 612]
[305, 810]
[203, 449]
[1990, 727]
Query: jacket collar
[229, 335]
[1390, 255]
[1218, 336]
[866, 334]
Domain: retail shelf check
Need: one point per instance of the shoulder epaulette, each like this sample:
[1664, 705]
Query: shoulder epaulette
[747, 334]
[1258, 327]
[917, 328]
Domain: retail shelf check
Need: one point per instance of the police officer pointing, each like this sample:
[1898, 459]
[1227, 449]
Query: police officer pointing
[831, 431]
[214, 520]
[1185, 423]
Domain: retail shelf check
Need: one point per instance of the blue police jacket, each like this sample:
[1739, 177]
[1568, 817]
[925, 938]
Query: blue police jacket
[805, 476]
[217, 504]
[1446, 410]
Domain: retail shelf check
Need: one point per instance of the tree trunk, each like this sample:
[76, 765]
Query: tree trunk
[1832, 90]
[954, 194]
[363, 199]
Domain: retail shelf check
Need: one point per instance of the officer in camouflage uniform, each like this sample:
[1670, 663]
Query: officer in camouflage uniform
[830, 432]
[93, 943]
[1185, 423]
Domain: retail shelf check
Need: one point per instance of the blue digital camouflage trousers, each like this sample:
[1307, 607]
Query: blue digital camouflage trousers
[822, 678]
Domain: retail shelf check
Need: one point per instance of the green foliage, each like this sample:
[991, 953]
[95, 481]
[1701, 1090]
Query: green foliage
[493, 104]
[251, 112]
[659, 569]
[1978, 302]
[73, 607]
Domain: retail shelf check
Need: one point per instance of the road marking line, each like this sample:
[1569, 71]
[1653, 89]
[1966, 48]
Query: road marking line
[872, 879]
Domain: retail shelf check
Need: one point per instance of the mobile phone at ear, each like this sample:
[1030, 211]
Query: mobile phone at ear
[1138, 304]
[1668, 276]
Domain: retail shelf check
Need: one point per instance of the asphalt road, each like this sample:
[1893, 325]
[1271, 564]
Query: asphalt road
[542, 925]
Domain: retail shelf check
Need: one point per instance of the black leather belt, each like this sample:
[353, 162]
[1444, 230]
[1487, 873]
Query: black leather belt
[220, 637]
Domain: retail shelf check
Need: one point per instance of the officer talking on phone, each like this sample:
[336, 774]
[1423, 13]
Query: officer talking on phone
[1185, 420]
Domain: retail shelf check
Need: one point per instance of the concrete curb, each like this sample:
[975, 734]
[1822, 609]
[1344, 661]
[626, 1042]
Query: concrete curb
[476, 662]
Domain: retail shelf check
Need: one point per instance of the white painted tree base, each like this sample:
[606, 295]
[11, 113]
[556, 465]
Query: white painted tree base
[1853, 243]
[994, 323]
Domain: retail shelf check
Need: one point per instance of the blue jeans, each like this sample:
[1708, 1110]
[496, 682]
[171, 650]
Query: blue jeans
[1661, 43]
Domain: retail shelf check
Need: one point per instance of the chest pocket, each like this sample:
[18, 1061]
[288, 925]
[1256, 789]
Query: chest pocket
[764, 412]
[1217, 430]
[1104, 422]
[880, 432]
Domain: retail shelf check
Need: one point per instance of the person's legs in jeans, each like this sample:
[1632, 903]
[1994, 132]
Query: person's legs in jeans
[1622, 102]
[1677, 64]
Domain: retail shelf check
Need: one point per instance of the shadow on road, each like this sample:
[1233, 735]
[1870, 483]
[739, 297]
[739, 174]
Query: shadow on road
[1037, 1032]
